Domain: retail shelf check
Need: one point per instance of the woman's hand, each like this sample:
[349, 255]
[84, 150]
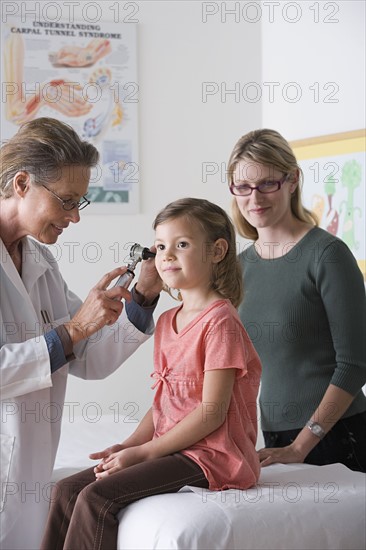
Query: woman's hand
[101, 307]
[284, 455]
[120, 460]
[335, 399]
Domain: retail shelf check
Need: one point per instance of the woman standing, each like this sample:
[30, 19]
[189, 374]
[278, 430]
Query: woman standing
[304, 307]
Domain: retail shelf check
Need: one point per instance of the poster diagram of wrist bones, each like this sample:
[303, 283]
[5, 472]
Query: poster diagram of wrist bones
[57, 94]
[76, 56]
[60, 94]
[86, 81]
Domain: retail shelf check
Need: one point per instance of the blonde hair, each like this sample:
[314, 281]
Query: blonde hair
[269, 148]
[216, 224]
[42, 147]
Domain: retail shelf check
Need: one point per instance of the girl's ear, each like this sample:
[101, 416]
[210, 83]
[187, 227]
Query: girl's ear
[220, 249]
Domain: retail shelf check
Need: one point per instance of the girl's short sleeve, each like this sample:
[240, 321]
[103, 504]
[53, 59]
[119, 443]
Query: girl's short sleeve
[226, 345]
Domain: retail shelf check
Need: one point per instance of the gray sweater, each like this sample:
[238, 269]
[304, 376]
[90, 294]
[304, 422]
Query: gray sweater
[306, 315]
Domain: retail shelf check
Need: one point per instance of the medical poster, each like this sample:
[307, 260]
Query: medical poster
[85, 75]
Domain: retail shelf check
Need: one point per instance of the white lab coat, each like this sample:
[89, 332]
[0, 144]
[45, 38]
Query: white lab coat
[31, 398]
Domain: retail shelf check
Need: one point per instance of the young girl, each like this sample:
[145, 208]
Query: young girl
[202, 427]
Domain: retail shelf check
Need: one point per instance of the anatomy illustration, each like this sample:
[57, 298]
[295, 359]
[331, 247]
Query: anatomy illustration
[76, 56]
[64, 96]
[110, 112]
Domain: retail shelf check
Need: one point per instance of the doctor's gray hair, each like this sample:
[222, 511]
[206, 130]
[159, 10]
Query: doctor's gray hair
[42, 147]
[226, 277]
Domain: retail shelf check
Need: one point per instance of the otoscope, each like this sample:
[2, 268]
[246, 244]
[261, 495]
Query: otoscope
[137, 253]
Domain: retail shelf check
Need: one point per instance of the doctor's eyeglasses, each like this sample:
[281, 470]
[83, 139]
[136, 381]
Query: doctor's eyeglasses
[70, 204]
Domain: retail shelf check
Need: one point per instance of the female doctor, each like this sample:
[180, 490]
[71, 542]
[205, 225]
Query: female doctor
[45, 171]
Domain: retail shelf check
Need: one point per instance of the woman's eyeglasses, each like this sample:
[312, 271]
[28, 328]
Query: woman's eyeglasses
[70, 204]
[269, 186]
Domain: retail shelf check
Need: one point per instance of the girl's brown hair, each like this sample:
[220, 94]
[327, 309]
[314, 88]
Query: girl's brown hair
[216, 224]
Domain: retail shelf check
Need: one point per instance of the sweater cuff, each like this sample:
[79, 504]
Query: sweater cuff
[55, 350]
[140, 311]
[141, 300]
[66, 341]
[349, 377]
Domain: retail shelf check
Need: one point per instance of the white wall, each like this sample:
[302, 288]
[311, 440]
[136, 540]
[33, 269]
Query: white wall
[180, 133]
[323, 54]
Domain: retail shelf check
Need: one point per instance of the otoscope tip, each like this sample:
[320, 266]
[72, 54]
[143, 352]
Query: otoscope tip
[146, 254]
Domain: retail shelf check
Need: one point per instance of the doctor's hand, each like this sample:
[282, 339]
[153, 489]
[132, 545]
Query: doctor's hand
[149, 283]
[101, 307]
[120, 460]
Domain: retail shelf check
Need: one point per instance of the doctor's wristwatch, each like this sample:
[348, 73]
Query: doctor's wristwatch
[316, 429]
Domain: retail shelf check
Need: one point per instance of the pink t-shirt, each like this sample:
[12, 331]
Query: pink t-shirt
[215, 339]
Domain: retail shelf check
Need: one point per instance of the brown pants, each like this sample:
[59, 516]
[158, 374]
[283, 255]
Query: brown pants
[83, 511]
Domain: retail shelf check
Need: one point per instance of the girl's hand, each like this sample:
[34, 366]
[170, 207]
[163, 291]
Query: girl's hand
[103, 455]
[284, 455]
[120, 460]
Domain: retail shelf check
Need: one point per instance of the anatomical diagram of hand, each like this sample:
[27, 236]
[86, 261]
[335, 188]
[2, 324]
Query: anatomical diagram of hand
[76, 56]
[62, 95]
